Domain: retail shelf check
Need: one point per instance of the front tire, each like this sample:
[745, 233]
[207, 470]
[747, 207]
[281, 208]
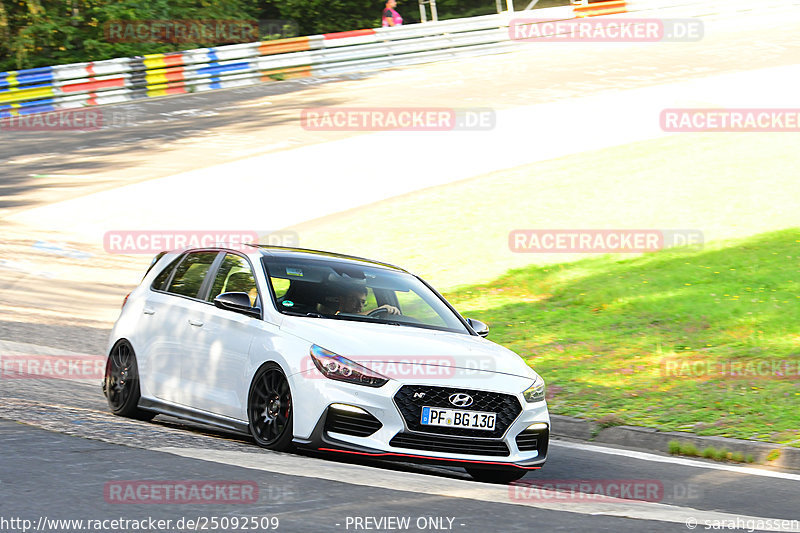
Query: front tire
[270, 410]
[121, 383]
[506, 475]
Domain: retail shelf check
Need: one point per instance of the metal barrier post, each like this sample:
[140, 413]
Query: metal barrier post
[423, 14]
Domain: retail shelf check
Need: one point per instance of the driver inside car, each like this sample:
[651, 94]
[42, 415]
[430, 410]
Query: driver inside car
[354, 300]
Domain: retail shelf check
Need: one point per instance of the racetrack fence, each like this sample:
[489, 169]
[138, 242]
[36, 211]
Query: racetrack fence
[119, 80]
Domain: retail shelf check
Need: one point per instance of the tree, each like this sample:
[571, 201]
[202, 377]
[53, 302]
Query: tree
[36, 33]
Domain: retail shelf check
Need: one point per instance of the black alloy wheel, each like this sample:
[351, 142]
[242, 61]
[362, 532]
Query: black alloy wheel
[121, 383]
[269, 408]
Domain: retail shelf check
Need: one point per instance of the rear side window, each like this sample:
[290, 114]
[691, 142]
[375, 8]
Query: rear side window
[161, 279]
[189, 275]
[153, 263]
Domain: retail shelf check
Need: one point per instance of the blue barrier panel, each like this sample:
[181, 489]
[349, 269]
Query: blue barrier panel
[36, 109]
[216, 68]
[23, 77]
[34, 103]
[8, 80]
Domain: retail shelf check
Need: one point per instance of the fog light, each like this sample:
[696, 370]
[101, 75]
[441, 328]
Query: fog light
[539, 426]
[348, 408]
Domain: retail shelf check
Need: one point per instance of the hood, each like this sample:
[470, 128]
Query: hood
[386, 348]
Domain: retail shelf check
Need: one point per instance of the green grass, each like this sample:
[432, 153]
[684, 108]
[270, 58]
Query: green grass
[609, 335]
[773, 455]
[676, 447]
[686, 448]
[729, 186]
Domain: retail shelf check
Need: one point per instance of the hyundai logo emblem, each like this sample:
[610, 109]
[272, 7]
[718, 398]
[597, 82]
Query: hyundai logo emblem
[460, 399]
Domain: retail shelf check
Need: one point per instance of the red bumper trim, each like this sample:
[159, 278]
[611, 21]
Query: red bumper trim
[390, 454]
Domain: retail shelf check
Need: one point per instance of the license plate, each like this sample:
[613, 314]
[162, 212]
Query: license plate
[456, 418]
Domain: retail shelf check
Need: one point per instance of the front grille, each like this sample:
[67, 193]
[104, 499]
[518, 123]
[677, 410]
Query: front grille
[529, 440]
[506, 406]
[351, 423]
[438, 443]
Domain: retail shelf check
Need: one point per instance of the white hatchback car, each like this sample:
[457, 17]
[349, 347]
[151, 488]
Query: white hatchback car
[315, 349]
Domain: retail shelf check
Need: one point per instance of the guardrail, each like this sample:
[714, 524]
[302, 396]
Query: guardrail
[111, 81]
[120, 80]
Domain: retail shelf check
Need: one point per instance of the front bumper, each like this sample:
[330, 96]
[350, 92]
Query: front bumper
[517, 446]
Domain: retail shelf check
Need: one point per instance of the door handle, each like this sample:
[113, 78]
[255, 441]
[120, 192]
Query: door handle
[194, 322]
[148, 311]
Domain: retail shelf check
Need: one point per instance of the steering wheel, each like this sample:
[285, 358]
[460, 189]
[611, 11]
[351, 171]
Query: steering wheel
[380, 312]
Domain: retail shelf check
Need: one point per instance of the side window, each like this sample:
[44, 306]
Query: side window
[161, 279]
[372, 301]
[153, 263]
[190, 274]
[234, 275]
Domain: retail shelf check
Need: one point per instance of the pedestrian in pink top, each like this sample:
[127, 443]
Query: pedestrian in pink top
[390, 16]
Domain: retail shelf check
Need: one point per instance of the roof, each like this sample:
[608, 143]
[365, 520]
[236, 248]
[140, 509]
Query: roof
[303, 253]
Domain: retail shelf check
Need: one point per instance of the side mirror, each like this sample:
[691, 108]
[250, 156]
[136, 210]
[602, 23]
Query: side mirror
[238, 302]
[479, 327]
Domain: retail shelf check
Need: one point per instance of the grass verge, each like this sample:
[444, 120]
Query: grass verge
[717, 454]
[706, 342]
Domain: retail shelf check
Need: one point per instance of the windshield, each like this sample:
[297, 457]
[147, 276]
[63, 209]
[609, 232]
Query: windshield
[327, 288]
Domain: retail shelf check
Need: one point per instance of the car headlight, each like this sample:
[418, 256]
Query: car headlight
[334, 366]
[535, 393]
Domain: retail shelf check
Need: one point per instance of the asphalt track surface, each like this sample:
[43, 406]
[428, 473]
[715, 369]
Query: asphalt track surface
[60, 446]
[80, 447]
[139, 141]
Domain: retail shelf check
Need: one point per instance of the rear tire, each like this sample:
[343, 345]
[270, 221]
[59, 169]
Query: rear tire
[270, 412]
[121, 383]
[503, 476]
